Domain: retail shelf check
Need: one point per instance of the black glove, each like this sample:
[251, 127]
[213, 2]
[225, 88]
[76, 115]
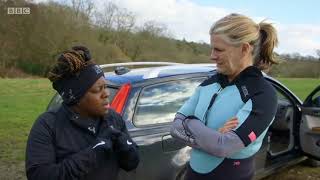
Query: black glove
[103, 145]
[121, 141]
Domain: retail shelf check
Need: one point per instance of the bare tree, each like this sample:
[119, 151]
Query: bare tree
[125, 20]
[155, 29]
[106, 18]
[113, 17]
[83, 6]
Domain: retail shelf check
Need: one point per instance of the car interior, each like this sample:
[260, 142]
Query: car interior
[279, 133]
[279, 138]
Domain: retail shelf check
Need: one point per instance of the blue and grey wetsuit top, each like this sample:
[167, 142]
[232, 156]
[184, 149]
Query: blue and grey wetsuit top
[249, 97]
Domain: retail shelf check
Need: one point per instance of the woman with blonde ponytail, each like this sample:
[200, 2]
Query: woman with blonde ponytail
[237, 99]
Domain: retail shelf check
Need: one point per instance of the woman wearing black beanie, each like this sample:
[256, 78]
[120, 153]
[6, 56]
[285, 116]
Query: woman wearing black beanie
[82, 139]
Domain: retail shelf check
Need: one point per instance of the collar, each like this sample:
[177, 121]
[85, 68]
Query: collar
[248, 72]
[89, 124]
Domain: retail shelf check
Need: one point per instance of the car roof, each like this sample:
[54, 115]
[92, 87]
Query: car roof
[169, 69]
[144, 74]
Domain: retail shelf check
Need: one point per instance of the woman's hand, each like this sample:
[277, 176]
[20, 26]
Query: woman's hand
[229, 125]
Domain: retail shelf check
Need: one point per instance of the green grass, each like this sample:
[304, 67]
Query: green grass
[22, 100]
[302, 87]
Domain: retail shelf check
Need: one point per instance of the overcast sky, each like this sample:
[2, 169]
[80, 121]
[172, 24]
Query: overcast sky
[297, 22]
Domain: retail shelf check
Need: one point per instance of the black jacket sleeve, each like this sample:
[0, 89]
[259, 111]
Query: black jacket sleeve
[257, 114]
[128, 159]
[41, 161]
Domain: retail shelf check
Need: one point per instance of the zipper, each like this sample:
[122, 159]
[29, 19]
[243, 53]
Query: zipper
[214, 96]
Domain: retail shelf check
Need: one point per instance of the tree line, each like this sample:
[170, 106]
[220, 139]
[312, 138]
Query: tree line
[29, 44]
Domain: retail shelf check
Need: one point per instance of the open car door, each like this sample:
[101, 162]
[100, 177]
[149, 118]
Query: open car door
[310, 125]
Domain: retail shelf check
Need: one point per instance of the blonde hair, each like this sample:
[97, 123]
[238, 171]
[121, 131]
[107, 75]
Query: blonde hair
[237, 29]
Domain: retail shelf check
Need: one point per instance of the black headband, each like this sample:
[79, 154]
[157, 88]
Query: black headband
[73, 88]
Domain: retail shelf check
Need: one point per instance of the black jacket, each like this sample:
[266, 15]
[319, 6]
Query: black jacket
[60, 147]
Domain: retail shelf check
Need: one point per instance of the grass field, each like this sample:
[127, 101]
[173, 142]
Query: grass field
[301, 87]
[22, 100]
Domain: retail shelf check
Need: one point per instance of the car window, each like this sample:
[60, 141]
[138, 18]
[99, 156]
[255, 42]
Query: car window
[281, 96]
[316, 99]
[113, 91]
[159, 103]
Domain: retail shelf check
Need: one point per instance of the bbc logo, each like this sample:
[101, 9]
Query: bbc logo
[18, 10]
